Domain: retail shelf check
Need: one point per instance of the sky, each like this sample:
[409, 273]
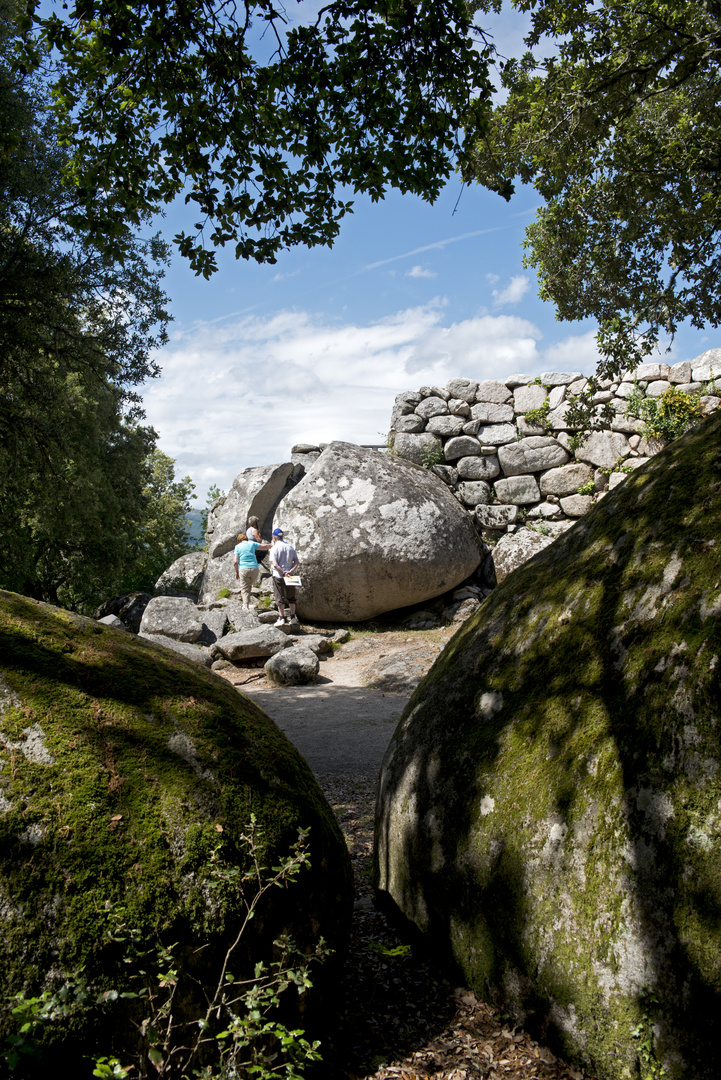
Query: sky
[315, 347]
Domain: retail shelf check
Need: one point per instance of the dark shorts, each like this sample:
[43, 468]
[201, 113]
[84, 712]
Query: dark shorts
[284, 594]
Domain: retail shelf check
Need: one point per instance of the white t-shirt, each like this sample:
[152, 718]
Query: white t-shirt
[284, 555]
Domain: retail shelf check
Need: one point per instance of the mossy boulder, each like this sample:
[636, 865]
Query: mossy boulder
[550, 804]
[128, 777]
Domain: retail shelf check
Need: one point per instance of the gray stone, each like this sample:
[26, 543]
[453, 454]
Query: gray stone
[457, 407]
[474, 492]
[431, 406]
[319, 644]
[560, 378]
[184, 575]
[408, 424]
[293, 667]
[465, 389]
[557, 418]
[533, 454]
[556, 397]
[496, 517]
[603, 448]
[306, 448]
[247, 644]
[374, 533]
[490, 413]
[528, 397]
[114, 622]
[681, 373]
[709, 403]
[197, 653]
[656, 389]
[462, 446]
[577, 387]
[129, 608]
[566, 480]
[341, 636]
[513, 550]
[408, 397]
[254, 493]
[525, 428]
[519, 490]
[418, 448]
[494, 391]
[625, 390]
[445, 426]
[215, 623]
[575, 506]
[482, 467]
[447, 473]
[497, 434]
[519, 380]
[441, 392]
[174, 616]
[472, 427]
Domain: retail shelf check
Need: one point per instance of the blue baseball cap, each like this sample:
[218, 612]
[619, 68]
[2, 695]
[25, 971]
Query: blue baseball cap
[277, 532]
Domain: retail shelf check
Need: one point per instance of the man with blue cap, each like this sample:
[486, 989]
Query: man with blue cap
[283, 563]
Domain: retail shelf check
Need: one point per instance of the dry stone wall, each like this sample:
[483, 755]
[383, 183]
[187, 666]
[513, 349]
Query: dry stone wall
[485, 441]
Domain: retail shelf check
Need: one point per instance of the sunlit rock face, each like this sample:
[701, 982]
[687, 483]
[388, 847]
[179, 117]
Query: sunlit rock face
[550, 805]
[374, 533]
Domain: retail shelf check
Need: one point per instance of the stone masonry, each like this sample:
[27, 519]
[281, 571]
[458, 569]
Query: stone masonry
[508, 464]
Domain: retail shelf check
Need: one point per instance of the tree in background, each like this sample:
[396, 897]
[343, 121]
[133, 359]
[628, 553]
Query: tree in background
[615, 118]
[164, 534]
[256, 122]
[77, 332]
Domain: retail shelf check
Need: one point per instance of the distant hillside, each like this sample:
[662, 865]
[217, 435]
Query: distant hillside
[195, 532]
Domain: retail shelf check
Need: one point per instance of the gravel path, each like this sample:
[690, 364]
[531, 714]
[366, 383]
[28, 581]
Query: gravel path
[398, 1018]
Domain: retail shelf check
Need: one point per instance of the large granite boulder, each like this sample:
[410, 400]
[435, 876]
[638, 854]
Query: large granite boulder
[549, 804]
[375, 532]
[184, 577]
[254, 493]
[128, 777]
[174, 616]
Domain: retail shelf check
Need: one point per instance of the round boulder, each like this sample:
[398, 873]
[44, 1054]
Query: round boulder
[549, 806]
[128, 778]
[292, 667]
[374, 533]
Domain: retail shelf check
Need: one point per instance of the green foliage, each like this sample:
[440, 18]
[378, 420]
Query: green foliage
[77, 332]
[255, 119]
[614, 115]
[539, 416]
[665, 417]
[589, 488]
[432, 455]
[214, 494]
[223, 594]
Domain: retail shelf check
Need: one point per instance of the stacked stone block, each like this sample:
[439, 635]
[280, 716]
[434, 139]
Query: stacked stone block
[481, 440]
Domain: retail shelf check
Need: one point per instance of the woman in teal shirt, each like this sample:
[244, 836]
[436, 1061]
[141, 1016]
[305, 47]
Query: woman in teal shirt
[246, 566]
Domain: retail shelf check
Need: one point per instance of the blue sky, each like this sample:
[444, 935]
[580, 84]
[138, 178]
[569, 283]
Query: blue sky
[315, 347]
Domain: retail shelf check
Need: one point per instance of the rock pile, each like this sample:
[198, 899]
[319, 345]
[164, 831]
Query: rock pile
[507, 450]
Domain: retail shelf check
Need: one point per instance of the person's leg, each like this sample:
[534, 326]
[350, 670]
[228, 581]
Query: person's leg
[279, 594]
[290, 593]
[247, 580]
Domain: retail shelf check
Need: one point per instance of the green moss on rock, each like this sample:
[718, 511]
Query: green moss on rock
[550, 805]
[125, 771]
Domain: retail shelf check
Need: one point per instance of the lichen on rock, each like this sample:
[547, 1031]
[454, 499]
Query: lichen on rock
[126, 775]
[550, 805]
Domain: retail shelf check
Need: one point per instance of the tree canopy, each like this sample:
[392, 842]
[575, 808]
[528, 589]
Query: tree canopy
[78, 330]
[257, 122]
[614, 115]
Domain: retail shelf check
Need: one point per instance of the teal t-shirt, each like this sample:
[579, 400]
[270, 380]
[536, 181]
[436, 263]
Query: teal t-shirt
[246, 555]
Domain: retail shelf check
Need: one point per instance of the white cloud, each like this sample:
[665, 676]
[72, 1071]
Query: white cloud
[514, 292]
[421, 272]
[242, 393]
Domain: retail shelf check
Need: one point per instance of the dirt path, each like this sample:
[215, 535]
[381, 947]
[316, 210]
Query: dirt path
[398, 1018]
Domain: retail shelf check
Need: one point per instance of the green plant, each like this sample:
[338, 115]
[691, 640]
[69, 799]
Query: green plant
[667, 416]
[539, 416]
[589, 488]
[238, 1032]
[651, 1068]
[432, 455]
[391, 953]
[223, 594]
